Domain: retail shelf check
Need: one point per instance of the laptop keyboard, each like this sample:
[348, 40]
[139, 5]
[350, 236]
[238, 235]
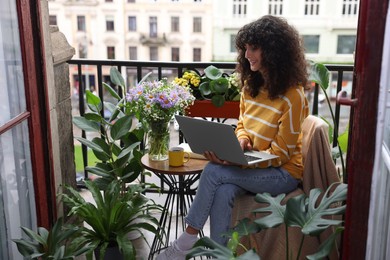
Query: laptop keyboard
[250, 158]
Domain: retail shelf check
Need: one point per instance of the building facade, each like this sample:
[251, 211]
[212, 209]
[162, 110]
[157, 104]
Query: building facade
[328, 27]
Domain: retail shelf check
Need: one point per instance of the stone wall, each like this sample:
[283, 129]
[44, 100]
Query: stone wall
[57, 53]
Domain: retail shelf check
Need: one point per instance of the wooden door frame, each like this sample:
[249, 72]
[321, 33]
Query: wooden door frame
[32, 49]
[361, 150]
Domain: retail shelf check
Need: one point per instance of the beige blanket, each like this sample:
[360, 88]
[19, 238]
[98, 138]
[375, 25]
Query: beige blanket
[319, 172]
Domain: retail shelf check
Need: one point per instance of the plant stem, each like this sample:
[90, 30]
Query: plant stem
[334, 124]
[300, 247]
[287, 249]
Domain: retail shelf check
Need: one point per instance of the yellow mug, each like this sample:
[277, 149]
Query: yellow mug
[177, 156]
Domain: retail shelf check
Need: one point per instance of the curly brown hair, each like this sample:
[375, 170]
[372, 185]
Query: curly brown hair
[283, 56]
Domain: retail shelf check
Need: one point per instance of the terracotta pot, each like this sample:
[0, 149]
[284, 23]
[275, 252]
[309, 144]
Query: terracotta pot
[204, 108]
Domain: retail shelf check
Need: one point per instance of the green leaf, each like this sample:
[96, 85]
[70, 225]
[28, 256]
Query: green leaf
[218, 100]
[26, 248]
[207, 247]
[220, 85]
[128, 149]
[90, 144]
[93, 117]
[116, 77]
[145, 77]
[213, 72]
[125, 246]
[303, 212]
[121, 127]
[343, 140]
[274, 207]
[85, 124]
[99, 171]
[327, 246]
[205, 89]
[105, 155]
[93, 101]
[246, 227]
[111, 91]
[319, 74]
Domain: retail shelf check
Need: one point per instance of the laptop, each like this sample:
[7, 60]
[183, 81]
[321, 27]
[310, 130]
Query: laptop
[203, 135]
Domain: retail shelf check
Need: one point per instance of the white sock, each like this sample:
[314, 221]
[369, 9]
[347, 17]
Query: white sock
[186, 241]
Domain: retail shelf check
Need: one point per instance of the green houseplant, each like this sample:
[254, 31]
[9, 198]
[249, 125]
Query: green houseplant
[112, 216]
[309, 213]
[117, 144]
[214, 85]
[57, 243]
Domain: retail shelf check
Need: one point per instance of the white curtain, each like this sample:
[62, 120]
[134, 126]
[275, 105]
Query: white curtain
[17, 204]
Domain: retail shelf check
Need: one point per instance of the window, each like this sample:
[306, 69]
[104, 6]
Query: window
[275, 7]
[110, 52]
[175, 54]
[346, 44]
[110, 23]
[153, 53]
[175, 24]
[239, 7]
[133, 53]
[233, 43]
[350, 7]
[153, 27]
[197, 24]
[132, 20]
[312, 7]
[197, 54]
[81, 23]
[52, 20]
[312, 43]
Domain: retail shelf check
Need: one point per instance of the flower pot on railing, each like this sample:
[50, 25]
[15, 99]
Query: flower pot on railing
[205, 108]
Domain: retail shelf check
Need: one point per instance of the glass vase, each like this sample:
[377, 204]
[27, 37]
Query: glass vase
[158, 140]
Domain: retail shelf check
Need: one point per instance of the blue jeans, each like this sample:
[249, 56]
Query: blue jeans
[220, 184]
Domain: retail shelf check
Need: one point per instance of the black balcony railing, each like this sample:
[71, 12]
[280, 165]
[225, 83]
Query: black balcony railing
[87, 74]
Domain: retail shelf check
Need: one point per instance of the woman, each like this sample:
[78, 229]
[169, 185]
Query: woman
[273, 70]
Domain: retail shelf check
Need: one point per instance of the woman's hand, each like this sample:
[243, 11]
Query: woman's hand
[245, 144]
[212, 157]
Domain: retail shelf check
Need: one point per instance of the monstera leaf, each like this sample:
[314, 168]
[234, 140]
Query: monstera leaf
[275, 207]
[305, 213]
[207, 247]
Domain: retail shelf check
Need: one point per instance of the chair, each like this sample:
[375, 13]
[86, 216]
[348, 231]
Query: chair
[319, 172]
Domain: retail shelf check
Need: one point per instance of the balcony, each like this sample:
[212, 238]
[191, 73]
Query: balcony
[94, 72]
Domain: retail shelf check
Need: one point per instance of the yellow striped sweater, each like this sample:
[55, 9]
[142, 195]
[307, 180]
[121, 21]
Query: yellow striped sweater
[274, 126]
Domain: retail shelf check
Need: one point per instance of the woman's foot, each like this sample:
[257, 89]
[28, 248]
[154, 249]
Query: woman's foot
[173, 252]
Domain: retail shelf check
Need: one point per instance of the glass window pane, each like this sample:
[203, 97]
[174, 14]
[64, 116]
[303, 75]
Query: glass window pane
[132, 24]
[17, 204]
[16, 185]
[312, 43]
[346, 44]
[12, 98]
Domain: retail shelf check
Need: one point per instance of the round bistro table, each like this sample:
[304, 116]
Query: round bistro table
[181, 187]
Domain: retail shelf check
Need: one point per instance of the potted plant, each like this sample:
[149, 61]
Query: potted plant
[113, 214]
[58, 243]
[312, 214]
[217, 93]
[117, 144]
